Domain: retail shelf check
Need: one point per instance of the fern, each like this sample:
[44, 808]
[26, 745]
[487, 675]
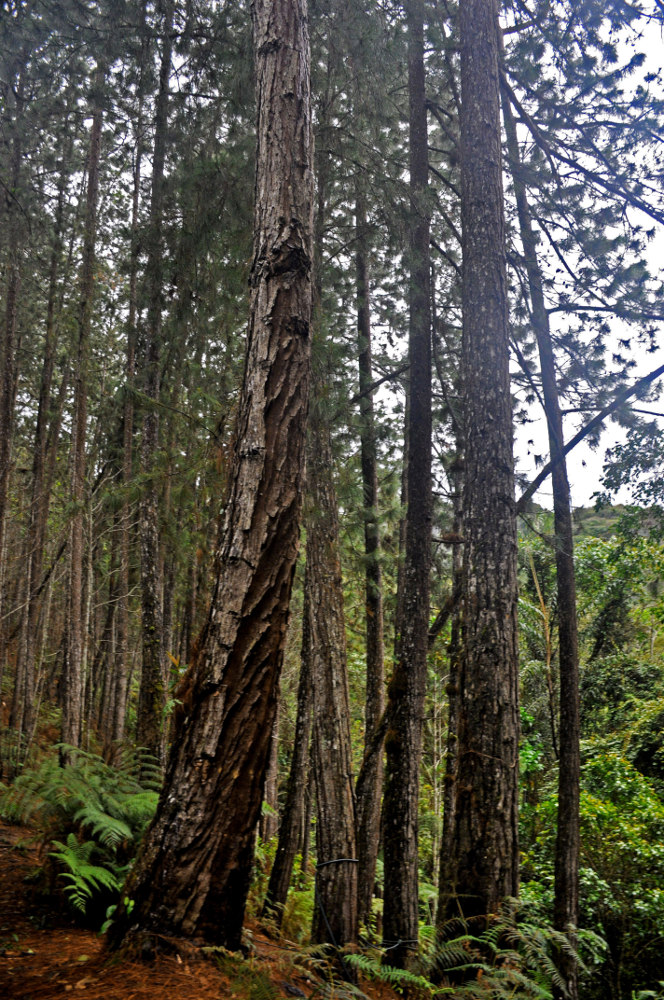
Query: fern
[512, 957]
[454, 954]
[87, 806]
[245, 979]
[90, 794]
[83, 878]
[400, 979]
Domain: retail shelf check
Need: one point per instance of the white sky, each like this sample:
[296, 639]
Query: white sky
[585, 465]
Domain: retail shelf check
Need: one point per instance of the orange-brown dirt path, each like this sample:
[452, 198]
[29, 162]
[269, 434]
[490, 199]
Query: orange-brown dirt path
[45, 956]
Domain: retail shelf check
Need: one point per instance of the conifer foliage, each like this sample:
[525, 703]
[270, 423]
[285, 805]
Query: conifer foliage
[469, 193]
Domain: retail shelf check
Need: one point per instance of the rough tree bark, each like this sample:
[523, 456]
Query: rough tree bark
[566, 891]
[335, 911]
[408, 684]
[193, 872]
[482, 867]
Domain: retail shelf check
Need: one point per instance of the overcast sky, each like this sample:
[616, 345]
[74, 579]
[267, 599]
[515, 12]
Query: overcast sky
[584, 464]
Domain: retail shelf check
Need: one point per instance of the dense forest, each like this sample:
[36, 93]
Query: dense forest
[284, 634]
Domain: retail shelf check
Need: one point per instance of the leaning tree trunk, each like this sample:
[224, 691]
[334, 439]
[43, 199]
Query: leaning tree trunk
[566, 889]
[482, 867]
[335, 908]
[407, 688]
[72, 686]
[194, 870]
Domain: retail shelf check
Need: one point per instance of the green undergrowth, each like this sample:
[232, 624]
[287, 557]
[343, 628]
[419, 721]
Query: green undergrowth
[510, 955]
[505, 956]
[88, 817]
[245, 978]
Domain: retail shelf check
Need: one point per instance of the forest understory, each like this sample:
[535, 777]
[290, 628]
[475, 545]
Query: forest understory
[44, 955]
[308, 663]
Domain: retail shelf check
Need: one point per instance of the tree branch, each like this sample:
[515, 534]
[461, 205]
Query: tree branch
[620, 398]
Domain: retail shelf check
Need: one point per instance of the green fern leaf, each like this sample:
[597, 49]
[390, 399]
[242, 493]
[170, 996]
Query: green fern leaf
[84, 878]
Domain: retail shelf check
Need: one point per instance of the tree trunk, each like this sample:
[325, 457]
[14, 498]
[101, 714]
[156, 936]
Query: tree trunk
[121, 658]
[269, 825]
[408, 685]
[453, 701]
[482, 867]
[8, 351]
[335, 910]
[192, 875]
[152, 695]
[290, 830]
[369, 792]
[72, 682]
[23, 705]
[566, 891]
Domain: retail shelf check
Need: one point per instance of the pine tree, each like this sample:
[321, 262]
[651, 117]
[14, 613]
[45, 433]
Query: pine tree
[482, 867]
[210, 805]
[407, 686]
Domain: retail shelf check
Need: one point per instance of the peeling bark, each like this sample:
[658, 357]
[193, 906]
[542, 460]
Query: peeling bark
[193, 873]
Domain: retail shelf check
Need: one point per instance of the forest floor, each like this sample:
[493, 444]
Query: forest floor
[45, 956]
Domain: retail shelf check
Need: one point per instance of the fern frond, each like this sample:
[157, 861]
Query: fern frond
[450, 954]
[399, 978]
[105, 828]
[511, 957]
[139, 808]
[83, 878]
[91, 807]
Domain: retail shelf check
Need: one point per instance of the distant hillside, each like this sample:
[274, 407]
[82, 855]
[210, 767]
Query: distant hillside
[590, 522]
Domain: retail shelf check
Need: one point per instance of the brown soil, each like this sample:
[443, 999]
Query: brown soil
[45, 956]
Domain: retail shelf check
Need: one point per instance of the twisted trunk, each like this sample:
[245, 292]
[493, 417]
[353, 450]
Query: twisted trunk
[194, 870]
